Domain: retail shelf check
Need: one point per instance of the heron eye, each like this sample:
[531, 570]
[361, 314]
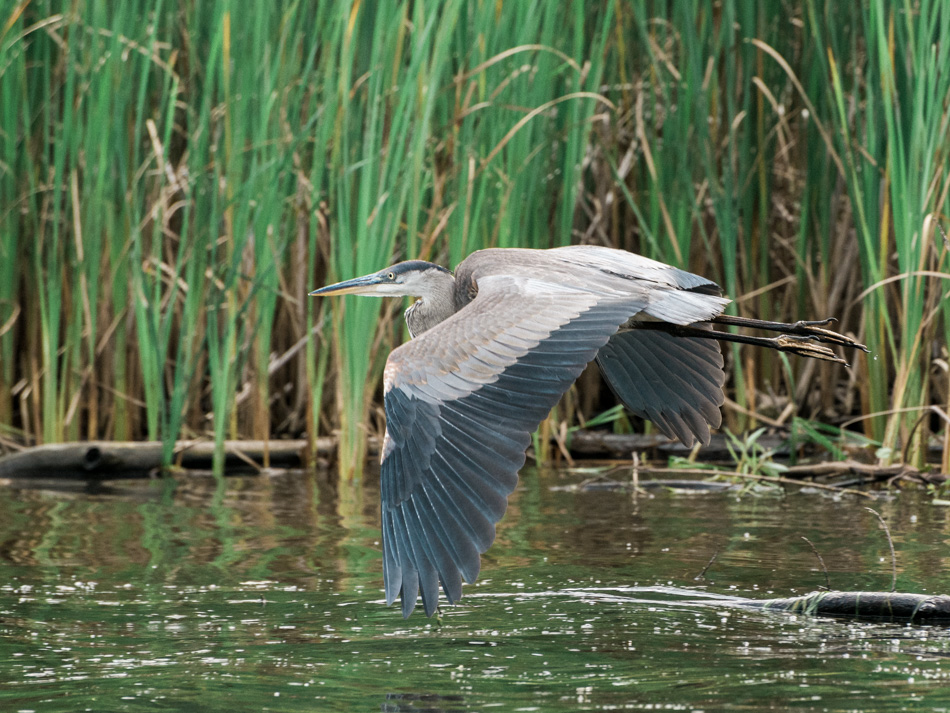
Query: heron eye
[392, 276]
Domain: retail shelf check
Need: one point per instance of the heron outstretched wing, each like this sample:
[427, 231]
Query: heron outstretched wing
[675, 382]
[462, 401]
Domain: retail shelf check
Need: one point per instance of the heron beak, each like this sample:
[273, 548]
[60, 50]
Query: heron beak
[365, 285]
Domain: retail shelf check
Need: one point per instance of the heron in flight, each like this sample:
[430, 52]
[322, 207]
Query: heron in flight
[493, 348]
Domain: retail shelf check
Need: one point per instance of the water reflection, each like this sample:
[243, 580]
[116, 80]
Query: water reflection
[265, 593]
[423, 703]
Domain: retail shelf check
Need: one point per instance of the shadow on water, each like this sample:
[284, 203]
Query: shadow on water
[265, 594]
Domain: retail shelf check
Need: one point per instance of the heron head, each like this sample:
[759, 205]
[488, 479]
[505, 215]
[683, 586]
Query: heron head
[413, 278]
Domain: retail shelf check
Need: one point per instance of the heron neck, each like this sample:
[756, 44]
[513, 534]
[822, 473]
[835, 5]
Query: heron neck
[433, 307]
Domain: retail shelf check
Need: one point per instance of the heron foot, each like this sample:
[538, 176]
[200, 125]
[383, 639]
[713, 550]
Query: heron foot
[803, 346]
[813, 330]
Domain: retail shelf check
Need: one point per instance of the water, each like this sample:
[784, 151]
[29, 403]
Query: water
[265, 595]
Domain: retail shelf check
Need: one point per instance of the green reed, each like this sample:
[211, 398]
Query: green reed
[895, 156]
[171, 189]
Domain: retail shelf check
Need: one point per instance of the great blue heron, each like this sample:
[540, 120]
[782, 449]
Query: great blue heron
[494, 347]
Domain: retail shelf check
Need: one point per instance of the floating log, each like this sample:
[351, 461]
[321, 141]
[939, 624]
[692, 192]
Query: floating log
[896, 607]
[123, 459]
[621, 445]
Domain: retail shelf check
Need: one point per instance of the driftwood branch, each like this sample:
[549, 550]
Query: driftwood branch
[864, 606]
[849, 467]
[117, 459]
[605, 484]
[621, 445]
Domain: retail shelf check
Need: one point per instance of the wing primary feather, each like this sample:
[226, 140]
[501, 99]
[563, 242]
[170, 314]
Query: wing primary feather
[699, 382]
[479, 528]
[481, 433]
[432, 541]
[473, 464]
[521, 425]
[667, 378]
[699, 357]
[392, 571]
[527, 371]
[559, 360]
[448, 532]
[474, 480]
[676, 382]
[522, 388]
[474, 484]
[418, 573]
[466, 538]
[430, 555]
[625, 367]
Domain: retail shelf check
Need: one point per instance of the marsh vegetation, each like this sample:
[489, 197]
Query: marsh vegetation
[174, 178]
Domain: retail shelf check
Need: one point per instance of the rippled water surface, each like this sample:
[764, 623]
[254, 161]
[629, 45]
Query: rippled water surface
[265, 594]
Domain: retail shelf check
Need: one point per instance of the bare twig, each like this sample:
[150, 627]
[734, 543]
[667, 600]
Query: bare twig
[849, 467]
[890, 542]
[702, 575]
[766, 478]
[820, 561]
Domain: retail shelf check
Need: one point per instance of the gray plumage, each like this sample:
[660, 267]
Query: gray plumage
[494, 348]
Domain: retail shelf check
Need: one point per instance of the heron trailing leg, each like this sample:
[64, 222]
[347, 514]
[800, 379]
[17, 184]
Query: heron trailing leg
[790, 343]
[809, 330]
[796, 337]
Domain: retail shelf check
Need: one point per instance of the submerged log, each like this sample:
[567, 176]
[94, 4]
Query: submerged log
[621, 445]
[116, 459]
[897, 607]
